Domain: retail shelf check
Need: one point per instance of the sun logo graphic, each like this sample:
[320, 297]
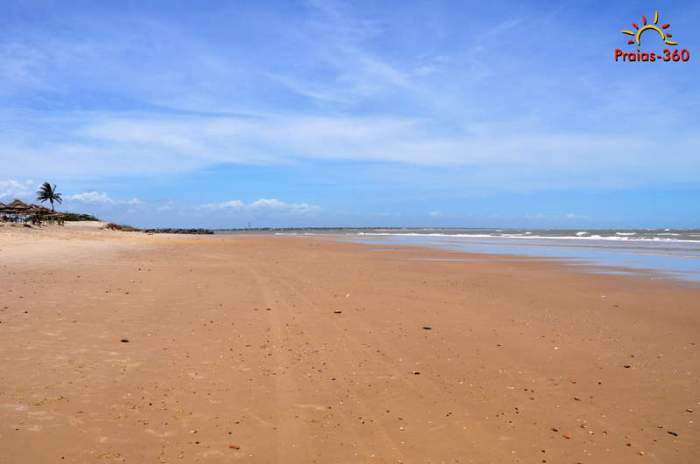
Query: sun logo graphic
[659, 30]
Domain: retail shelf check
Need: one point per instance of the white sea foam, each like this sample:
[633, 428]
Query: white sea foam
[531, 237]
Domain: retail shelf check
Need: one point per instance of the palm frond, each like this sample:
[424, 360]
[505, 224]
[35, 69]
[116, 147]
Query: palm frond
[48, 192]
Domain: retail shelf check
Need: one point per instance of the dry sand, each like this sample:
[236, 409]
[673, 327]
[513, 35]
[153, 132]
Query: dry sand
[298, 350]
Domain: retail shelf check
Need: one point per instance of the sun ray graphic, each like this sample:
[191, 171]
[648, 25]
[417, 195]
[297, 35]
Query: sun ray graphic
[661, 31]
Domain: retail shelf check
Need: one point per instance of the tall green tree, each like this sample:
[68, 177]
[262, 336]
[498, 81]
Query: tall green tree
[49, 193]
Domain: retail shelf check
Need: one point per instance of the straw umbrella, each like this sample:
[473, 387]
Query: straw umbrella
[19, 208]
[18, 205]
[36, 209]
[16, 209]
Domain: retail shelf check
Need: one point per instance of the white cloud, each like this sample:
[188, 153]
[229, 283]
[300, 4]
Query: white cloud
[90, 197]
[517, 156]
[231, 204]
[100, 198]
[264, 205]
[353, 138]
[526, 158]
[277, 205]
[11, 189]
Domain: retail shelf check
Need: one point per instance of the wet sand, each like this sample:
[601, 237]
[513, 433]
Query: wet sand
[125, 347]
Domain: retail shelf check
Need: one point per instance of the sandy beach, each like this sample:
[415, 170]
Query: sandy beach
[127, 347]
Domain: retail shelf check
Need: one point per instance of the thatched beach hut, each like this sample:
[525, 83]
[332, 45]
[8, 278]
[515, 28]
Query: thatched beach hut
[18, 205]
[16, 211]
[7, 208]
[19, 211]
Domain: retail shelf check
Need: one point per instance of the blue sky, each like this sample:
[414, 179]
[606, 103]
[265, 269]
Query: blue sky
[329, 113]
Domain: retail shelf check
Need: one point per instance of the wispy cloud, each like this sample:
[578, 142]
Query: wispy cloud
[264, 205]
[101, 198]
[11, 189]
[528, 155]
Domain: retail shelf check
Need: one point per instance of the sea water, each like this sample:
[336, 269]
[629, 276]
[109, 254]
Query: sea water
[653, 253]
[670, 253]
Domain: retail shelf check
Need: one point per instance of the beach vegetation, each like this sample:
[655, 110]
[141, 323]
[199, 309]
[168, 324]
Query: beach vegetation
[47, 192]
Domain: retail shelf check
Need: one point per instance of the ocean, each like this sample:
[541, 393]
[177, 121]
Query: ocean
[653, 254]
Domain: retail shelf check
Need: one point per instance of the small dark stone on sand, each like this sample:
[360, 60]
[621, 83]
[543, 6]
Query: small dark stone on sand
[672, 433]
[416, 373]
[337, 311]
[627, 366]
[124, 340]
[427, 327]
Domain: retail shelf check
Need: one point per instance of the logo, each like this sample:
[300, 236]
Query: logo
[653, 34]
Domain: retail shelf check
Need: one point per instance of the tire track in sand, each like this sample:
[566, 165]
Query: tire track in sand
[291, 443]
[343, 362]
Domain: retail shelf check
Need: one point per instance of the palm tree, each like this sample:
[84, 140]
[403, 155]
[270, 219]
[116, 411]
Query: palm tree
[48, 193]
